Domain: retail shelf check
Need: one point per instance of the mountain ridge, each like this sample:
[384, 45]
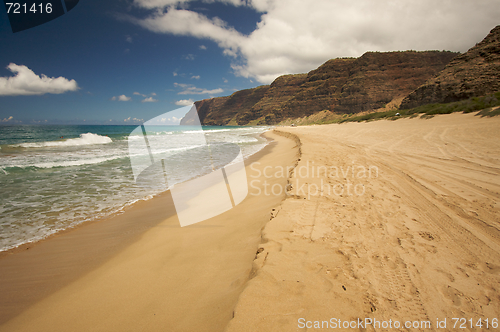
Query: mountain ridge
[374, 81]
[474, 73]
[342, 85]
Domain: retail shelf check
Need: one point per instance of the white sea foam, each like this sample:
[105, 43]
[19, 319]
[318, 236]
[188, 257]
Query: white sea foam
[68, 163]
[48, 194]
[205, 131]
[84, 139]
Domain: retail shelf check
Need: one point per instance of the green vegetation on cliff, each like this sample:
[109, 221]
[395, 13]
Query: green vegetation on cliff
[488, 106]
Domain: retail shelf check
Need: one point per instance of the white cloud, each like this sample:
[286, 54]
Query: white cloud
[189, 23]
[143, 95]
[184, 102]
[124, 98]
[166, 3]
[173, 120]
[149, 100]
[196, 77]
[298, 35]
[174, 73]
[26, 83]
[203, 47]
[121, 98]
[130, 119]
[157, 3]
[8, 119]
[189, 89]
[170, 121]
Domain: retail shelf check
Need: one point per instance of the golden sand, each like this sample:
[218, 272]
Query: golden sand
[420, 244]
[163, 278]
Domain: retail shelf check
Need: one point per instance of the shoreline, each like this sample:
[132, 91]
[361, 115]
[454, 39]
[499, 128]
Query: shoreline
[117, 211]
[108, 211]
[60, 263]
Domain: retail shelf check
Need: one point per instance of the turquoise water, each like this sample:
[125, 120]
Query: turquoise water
[54, 177]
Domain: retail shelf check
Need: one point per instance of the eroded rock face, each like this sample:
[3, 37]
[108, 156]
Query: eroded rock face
[345, 85]
[472, 74]
[204, 107]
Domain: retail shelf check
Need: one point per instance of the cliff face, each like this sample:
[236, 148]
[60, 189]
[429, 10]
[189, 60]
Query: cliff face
[204, 107]
[474, 73]
[280, 91]
[319, 90]
[339, 85]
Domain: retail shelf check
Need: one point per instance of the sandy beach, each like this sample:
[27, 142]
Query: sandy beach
[415, 241]
[390, 220]
[140, 271]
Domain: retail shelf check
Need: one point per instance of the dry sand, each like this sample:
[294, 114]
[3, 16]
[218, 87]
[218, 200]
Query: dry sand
[420, 243]
[140, 271]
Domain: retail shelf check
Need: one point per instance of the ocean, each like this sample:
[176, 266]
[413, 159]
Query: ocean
[53, 177]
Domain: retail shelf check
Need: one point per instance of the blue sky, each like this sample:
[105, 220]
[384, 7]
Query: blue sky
[126, 61]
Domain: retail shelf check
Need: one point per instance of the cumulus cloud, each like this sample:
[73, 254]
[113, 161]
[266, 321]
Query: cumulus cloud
[196, 77]
[189, 23]
[144, 95]
[203, 47]
[189, 89]
[7, 119]
[173, 120]
[133, 120]
[26, 83]
[184, 102]
[121, 98]
[149, 100]
[166, 3]
[170, 121]
[157, 3]
[298, 35]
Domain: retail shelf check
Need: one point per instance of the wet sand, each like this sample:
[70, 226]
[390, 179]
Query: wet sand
[139, 270]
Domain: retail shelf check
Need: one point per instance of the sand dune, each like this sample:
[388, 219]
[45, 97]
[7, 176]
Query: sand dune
[419, 241]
